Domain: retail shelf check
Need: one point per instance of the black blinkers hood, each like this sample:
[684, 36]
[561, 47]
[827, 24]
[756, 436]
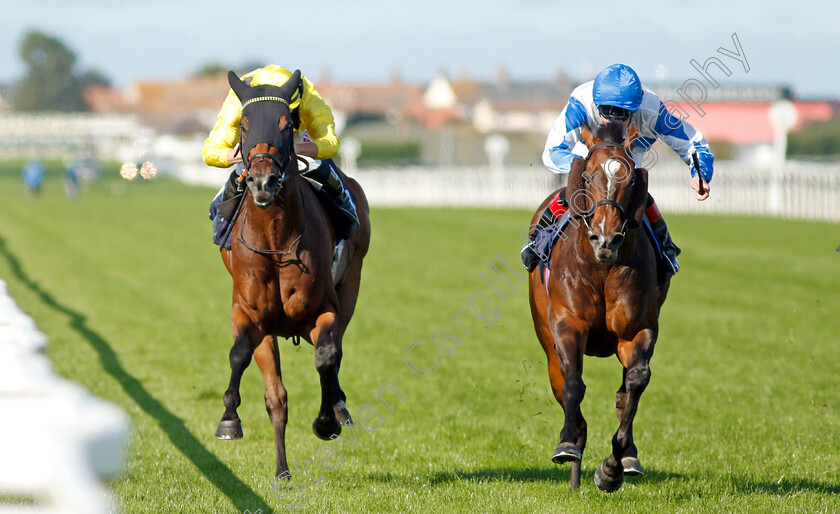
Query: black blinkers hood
[263, 105]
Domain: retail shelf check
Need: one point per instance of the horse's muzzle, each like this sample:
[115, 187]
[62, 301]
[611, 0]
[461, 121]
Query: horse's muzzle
[263, 189]
[606, 248]
[606, 255]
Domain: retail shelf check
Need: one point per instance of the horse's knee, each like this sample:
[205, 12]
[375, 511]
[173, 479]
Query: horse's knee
[638, 377]
[276, 404]
[326, 357]
[240, 354]
[573, 391]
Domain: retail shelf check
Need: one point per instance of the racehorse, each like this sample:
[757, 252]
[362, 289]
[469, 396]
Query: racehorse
[599, 296]
[281, 261]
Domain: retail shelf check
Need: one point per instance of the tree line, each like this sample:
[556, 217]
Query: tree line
[52, 81]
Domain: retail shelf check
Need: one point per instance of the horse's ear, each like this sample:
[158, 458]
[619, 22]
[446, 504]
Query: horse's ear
[237, 85]
[586, 135]
[638, 203]
[576, 194]
[632, 135]
[288, 89]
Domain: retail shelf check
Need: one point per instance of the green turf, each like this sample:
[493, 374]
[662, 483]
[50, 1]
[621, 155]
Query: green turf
[742, 413]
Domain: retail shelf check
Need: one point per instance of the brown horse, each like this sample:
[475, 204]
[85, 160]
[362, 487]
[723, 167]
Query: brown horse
[601, 297]
[281, 261]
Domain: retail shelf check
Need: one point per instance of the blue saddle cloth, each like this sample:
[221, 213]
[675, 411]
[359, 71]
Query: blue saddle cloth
[547, 238]
[221, 227]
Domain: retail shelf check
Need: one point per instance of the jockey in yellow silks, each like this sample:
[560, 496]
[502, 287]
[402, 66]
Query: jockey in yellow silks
[314, 138]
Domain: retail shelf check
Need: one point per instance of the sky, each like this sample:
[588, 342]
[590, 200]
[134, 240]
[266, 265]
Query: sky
[366, 40]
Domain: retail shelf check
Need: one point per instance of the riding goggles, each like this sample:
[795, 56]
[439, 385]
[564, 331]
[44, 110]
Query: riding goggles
[611, 112]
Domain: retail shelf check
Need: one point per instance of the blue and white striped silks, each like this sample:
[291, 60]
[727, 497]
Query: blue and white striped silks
[652, 119]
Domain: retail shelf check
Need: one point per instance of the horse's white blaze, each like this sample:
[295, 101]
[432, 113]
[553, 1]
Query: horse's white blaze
[611, 168]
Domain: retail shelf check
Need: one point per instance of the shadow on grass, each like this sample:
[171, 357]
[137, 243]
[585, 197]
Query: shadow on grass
[214, 470]
[785, 487]
[558, 474]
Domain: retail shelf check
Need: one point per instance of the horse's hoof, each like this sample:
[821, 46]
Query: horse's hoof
[605, 482]
[632, 467]
[327, 434]
[283, 474]
[342, 415]
[566, 452]
[230, 429]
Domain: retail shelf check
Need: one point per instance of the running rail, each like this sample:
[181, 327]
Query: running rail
[58, 442]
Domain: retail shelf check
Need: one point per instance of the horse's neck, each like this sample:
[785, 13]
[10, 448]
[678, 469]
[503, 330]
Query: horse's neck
[283, 221]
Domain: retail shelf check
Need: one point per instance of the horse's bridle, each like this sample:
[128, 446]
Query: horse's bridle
[285, 151]
[607, 201]
[280, 173]
[281, 164]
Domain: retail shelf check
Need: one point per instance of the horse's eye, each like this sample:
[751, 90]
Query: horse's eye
[243, 124]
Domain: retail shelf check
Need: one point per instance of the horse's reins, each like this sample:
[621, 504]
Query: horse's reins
[606, 201]
[282, 253]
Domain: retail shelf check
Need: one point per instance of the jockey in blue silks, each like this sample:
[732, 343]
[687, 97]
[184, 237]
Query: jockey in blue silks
[618, 94]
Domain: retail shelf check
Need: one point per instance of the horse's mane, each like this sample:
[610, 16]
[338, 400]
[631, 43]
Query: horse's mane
[612, 131]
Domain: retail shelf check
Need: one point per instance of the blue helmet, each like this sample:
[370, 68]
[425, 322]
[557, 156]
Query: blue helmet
[618, 86]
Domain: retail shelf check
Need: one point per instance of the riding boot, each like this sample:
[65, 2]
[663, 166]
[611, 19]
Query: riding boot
[530, 256]
[660, 229]
[327, 177]
[234, 186]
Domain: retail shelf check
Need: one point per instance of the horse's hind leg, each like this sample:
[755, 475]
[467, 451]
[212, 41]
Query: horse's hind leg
[230, 427]
[635, 356]
[333, 411]
[267, 356]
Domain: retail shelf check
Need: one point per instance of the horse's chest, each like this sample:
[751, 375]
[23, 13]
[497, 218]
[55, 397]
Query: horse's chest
[608, 306]
[284, 299]
[295, 296]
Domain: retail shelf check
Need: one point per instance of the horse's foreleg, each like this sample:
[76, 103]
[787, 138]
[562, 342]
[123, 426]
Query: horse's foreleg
[568, 347]
[630, 459]
[333, 411]
[240, 356]
[267, 356]
[635, 357]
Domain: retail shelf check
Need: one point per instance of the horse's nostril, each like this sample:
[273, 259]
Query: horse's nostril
[593, 238]
[617, 240]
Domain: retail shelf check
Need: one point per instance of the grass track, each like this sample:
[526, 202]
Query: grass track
[742, 413]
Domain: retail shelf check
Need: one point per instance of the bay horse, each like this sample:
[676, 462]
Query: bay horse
[599, 296]
[281, 260]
